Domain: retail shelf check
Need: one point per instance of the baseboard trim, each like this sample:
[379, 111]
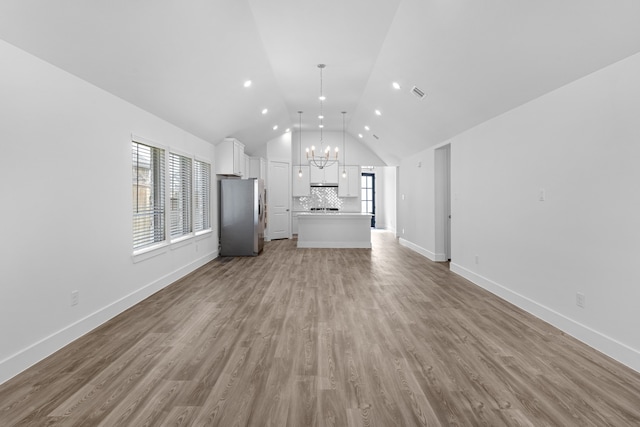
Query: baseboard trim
[600, 342]
[333, 245]
[422, 251]
[29, 356]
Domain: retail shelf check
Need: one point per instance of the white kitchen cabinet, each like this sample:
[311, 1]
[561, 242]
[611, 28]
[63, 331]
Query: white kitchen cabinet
[294, 222]
[349, 186]
[245, 167]
[300, 185]
[326, 175]
[230, 157]
[257, 168]
[331, 174]
[316, 175]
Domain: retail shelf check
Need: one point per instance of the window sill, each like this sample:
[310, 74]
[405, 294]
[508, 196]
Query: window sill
[204, 234]
[159, 249]
[150, 252]
[181, 241]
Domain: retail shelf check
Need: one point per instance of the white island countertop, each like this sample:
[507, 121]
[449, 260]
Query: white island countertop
[334, 230]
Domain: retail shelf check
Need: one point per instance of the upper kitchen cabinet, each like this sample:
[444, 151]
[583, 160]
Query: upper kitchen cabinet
[301, 184]
[349, 186]
[257, 168]
[247, 167]
[326, 175]
[331, 174]
[230, 157]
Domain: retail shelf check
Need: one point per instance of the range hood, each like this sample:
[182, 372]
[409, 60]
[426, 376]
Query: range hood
[324, 184]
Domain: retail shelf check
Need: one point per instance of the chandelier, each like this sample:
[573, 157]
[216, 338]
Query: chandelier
[323, 157]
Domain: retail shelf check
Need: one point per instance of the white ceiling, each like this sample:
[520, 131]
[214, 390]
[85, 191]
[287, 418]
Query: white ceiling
[186, 61]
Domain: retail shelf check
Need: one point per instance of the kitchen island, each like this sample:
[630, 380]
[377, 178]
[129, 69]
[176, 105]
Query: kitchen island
[334, 230]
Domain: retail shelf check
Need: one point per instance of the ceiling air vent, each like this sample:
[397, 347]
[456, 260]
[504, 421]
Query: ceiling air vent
[417, 92]
[375, 136]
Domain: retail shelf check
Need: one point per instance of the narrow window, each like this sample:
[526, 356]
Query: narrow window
[148, 195]
[201, 195]
[180, 195]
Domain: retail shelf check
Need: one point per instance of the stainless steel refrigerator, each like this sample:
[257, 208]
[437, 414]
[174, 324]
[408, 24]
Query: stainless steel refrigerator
[242, 217]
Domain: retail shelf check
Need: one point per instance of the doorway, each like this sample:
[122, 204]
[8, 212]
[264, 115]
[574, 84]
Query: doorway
[443, 203]
[278, 201]
[368, 190]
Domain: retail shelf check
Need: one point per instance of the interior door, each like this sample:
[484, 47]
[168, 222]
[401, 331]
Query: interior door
[278, 200]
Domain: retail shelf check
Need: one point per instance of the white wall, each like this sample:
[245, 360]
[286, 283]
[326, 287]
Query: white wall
[279, 148]
[416, 213]
[65, 173]
[581, 145]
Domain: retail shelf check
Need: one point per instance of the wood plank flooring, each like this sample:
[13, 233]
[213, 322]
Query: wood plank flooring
[321, 337]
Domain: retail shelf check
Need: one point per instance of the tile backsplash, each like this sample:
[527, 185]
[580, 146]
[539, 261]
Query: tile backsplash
[325, 197]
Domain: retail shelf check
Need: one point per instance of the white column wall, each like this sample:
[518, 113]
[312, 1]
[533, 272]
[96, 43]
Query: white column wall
[386, 197]
[416, 196]
[65, 177]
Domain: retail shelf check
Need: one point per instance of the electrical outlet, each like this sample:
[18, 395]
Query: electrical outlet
[403, 231]
[542, 195]
[75, 297]
[580, 302]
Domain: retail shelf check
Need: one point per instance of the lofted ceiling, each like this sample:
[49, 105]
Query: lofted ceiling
[186, 61]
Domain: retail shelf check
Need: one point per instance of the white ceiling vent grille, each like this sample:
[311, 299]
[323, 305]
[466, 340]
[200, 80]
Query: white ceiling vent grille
[376, 136]
[417, 92]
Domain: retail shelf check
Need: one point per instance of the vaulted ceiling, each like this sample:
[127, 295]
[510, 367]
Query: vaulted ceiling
[186, 61]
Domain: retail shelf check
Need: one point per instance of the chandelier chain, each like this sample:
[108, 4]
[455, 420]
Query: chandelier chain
[323, 157]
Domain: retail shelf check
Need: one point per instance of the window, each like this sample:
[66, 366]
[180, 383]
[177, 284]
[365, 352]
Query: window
[148, 195]
[167, 206]
[201, 191]
[180, 195]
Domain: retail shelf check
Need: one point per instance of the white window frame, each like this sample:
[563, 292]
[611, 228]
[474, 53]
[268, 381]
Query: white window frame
[163, 243]
[186, 209]
[170, 242]
[207, 212]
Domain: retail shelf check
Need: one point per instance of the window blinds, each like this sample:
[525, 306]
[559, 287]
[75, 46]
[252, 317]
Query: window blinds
[180, 190]
[148, 195]
[201, 193]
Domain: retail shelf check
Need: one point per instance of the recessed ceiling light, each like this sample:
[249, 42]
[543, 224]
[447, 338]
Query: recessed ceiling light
[360, 135]
[322, 97]
[265, 111]
[396, 85]
[378, 113]
[247, 83]
[275, 127]
[287, 130]
[320, 125]
[321, 117]
[366, 128]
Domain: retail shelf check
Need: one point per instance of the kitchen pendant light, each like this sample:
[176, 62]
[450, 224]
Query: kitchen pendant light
[323, 159]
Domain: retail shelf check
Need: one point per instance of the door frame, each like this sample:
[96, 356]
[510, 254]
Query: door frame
[442, 178]
[269, 235]
[373, 195]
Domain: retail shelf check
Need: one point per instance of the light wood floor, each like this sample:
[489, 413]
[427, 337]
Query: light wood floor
[306, 337]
